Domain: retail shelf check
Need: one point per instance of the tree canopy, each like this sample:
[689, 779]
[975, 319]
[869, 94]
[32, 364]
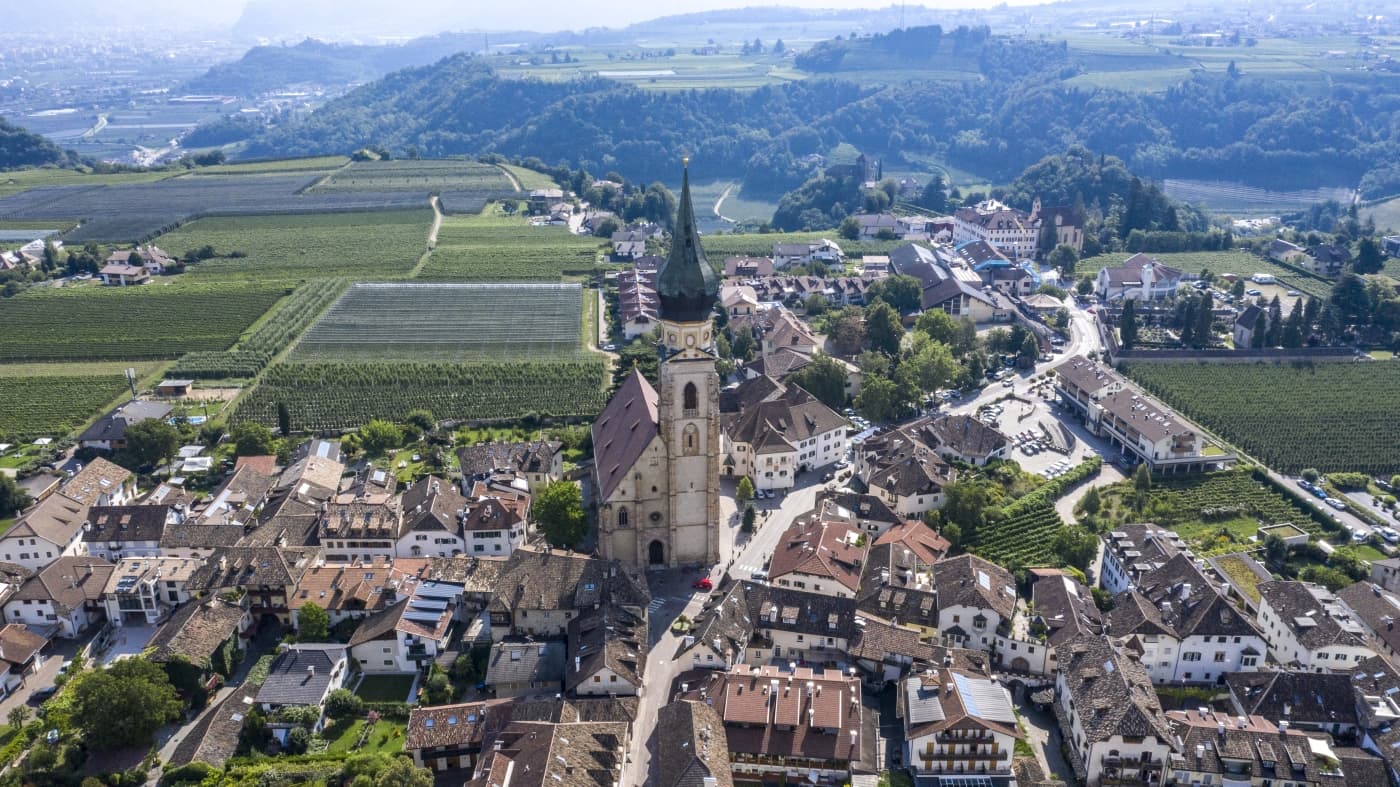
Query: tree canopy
[558, 508]
[124, 704]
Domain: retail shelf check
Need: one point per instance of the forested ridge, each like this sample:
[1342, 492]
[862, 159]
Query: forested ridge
[1231, 126]
[19, 148]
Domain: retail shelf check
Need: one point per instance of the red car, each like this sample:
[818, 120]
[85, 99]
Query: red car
[703, 583]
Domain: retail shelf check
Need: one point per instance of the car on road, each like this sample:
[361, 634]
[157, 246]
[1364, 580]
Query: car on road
[1319, 492]
[1007, 383]
[1335, 503]
[758, 576]
[703, 583]
[1389, 534]
[610, 347]
[826, 477]
[1253, 293]
[1293, 293]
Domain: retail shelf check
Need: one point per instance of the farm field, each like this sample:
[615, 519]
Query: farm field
[50, 400]
[154, 321]
[1385, 214]
[1240, 263]
[757, 244]
[1331, 416]
[496, 247]
[529, 179]
[346, 395]
[1240, 200]
[1215, 513]
[419, 176]
[380, 245]
[313, 164]
[20, 180]
[277, 329]
[447, 322]
[137, 210]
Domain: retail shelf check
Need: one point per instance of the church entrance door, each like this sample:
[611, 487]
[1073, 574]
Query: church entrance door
[656, 553]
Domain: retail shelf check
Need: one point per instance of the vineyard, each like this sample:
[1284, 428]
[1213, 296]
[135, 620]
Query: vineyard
[277, 331]
[1240, 200]
[1331, 416]
[447, 322]
[495, 247]
[1240, 263]
[718, 247]
[271, 166]
[134, 211]
[49, 406]
[344, 396]
[380, 245]
[1024, 539]
[154, 321]
[1215, 513]
[422, 176]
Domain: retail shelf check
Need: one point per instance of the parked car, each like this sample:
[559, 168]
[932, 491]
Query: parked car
[759, 576]
[610, 347]
[703, 583]
[1335, 503]
[1319, 492]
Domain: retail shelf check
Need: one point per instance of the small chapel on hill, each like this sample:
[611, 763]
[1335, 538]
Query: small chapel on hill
[656, 453]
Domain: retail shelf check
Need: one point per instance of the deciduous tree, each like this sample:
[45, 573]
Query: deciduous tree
[558, 509]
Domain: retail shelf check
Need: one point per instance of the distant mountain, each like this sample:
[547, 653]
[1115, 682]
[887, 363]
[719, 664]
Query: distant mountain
[56, 15]
[20, 149]
[268, 68]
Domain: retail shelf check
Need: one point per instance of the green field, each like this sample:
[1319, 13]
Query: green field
[316, 164]
[1330, 416]
[1215, 513]
[380, 245]
[272, 334]
[20, 180]
[1385, 214]
[718, 247]
[53, 405]
[492, 246]
[411, 175]
[1239, 200]
[345, 396]
[447, 322]
[1021, 540]
[1240, 263]
[154, 321]
[529, 179]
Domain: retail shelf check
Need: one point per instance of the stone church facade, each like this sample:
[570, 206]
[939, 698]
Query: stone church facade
[656, 453]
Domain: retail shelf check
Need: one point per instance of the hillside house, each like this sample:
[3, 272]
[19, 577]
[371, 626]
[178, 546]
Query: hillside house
[1140, 278]
[123, 275]
[109, 433]
[958, 725]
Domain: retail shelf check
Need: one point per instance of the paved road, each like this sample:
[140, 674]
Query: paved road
[55, 653]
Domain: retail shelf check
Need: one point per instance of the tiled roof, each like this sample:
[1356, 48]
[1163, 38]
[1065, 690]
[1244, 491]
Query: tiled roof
[540, 754]
[379, 625]
[125, 523]
[947, 699]
[1377, 608]
[894, 586]
[56, 519]
[966, 435]
[18, 644]
[68, 582]
[1130, 272]
[875, 640]
[623, 431]
[244, 566]
[98, 478]
[784, 420]
[925, 544]
[1312, 698]
[532, 457]
[1112, 693]
[821, 549]
[114, 424]
[968, 580]
[553, 579]
[346, 588]
[1066, 607]
[432, 504]
[301, 675]
[1186, 603]
[1313, 614]
[522, 660]
[444, 725]
[691, 746]
[196, 630]
[607, 638]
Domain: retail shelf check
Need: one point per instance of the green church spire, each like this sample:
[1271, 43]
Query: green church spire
[686, 284]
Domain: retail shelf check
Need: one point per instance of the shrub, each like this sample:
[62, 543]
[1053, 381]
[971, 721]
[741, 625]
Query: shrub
[343, 703]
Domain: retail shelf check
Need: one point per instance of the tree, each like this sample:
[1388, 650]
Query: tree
[1237, 289]
[1275, 550]
[901, 292]
[1351, 300]
[849, 229]
[1063, 259]
[1076, 547]
[401, 772]
[1310, 475]
[1293, 327]
[124, 704]
[437, 689]
[379, 436]
[882, 329]
[935, 194]
[422, 420]
[779, 47]
[313, 623]
[1204, 333]
[1092, 503]
[151, 442]
[744, 491]
[13, 499]
[17, 716]
[938, 325]
[1274, 333]
[1142, 484]
[558, 509]
[878, 399]
[749, 516]
[932, 365]
[1127, 325]
[1258, 336]
[1369, 258]
[824, 378]
[284, 420]
[952, 532]
[1030, 351]
[253, 439]
[815, 305]
[846, 331]
[344, 704]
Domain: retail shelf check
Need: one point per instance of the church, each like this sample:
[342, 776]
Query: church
[656, 453]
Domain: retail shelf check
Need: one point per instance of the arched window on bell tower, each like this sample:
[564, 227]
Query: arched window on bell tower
[690, 401]
[690, 440]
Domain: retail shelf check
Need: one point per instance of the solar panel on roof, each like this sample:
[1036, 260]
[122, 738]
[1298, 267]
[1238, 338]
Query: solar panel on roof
[437, 590]
[421, 617]
[428, 603]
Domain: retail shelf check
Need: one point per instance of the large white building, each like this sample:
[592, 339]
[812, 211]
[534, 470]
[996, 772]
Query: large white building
[958, 725]
[1139, 278]
[1309, 628]
[774, 440]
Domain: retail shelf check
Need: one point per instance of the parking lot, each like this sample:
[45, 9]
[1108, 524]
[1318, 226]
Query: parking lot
[1025, 420]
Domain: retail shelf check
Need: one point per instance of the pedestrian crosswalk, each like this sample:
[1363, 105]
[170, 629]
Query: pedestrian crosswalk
[745, 571]
[656, 603]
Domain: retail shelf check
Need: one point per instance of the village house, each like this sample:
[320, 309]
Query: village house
[607, 651]
[63, 598]
[1376, 610]
[1063, 609]
[965, 439]
[748, 267]
[638, 307]
[540, 590]
[115, 532]
[445, 737]
[905, 472]
[1248, 322]
[1011, 230]
[302, 676]
[1183, 628]
[948, 285]
[1143, 429]
[109, 432]
[975, 599]
[692, 750]
[205, 633]
[773, 440]
[1114, 729]
[754, 623]
[267, 575]
[432, 511]
[150, 258]
[878, 226]
[1218, 748]
[120, 274]
[143, 590]
[1309, 628]
[1320, 701]
[1281, 250]
[958, 725]
[21, 655]
[628, 245]
[54, 527]
[866, 513]
[823, 251]
[1133, 550]
[525, 667]
[545, 754]
[782, 721]
[1139, 278]
[1326, 259]
[348, 591]
[363, 524]
[542, 199]
[539, 462]
[822, 557]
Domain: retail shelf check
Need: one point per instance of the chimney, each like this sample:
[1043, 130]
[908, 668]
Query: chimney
[1283, 727]
[310, 670]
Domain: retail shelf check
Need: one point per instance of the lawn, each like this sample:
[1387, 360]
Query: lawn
[379, 245]
[1363, 552]
[385, 738]
[1247, 581]
[384, 688]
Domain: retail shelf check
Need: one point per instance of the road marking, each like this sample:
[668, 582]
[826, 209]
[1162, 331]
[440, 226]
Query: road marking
[656, 603]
